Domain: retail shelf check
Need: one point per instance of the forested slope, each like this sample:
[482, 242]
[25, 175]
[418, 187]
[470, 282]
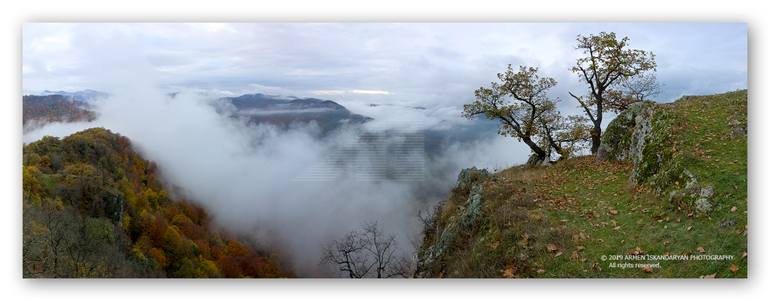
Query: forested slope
[93, 207]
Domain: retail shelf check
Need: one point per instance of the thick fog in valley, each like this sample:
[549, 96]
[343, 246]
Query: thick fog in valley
[293, 189]
[259, 180]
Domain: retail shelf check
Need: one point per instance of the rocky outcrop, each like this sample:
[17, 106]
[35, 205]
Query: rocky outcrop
[642, 135]
[693, 196]
[470, 176]
[469, 180]
[624, 137]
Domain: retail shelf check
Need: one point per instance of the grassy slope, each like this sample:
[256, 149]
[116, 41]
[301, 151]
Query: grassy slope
[559, 221]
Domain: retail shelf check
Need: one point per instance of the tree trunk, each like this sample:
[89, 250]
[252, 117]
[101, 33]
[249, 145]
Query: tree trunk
[596, 137]
[539, 152]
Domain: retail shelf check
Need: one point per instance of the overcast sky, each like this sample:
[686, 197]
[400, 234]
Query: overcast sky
[432, 65]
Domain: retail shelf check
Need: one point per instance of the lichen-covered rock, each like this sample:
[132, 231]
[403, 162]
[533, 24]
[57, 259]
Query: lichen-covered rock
[702, 205]
[472, 208]
[693, 196]
[642, 135]
[625, 136]
[470, 212]
[737, 128]
[707, 192]
[468, 176]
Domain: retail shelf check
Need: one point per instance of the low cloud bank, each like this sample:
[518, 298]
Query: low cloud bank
[254, 179]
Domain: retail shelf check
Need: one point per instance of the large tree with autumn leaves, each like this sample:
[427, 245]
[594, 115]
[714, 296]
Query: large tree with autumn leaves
[607, 66]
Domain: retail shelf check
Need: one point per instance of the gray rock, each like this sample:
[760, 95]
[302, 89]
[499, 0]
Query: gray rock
[624, 138]
[692, 181]
[472, 207]
[727, 223]
[468, 176]
[707, 192]
[469, 214]
[702, 205]
[737, 129]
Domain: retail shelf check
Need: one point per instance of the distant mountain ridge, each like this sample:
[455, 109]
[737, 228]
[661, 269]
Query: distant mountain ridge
[287, 111]
[81, 95]
[41, 109]
[268, 102]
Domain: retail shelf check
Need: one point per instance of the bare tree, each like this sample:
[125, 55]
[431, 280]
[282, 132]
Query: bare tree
[606, 63]
[634, 89]
[348, 255]
[367, 253]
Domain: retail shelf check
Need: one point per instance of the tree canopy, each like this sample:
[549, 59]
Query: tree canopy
[521, 103]
[94, 208]
[606, 65]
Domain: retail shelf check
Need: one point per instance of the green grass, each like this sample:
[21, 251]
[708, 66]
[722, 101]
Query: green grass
[559, 221]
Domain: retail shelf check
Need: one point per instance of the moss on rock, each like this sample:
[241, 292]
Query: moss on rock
[625, 134]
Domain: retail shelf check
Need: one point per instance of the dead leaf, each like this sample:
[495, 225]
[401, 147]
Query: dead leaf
[494, 245]
[709, 276]
[647, 269]
[614, 212]
[701, 250]
[509, 272]
[744, 254]
[551, 248]
[733, 268]
[540, 271]
[733, 209]
[636, 251]
[575, 255]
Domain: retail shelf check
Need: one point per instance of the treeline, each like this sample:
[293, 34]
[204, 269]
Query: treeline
[95, 208]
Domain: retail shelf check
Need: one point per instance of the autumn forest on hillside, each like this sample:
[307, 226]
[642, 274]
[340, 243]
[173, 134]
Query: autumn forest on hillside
[585, 161]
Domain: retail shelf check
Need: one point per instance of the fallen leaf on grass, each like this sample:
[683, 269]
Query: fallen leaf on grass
[733, 268]
[551, 248]
[509, 272]
[647, 269]
[709, 276]
[701, 250]
[494, 245]
[636, 251]
[575, 255]
[733, 209]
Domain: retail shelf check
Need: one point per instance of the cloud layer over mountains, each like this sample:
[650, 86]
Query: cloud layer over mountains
[249, 177]
[253, 179]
